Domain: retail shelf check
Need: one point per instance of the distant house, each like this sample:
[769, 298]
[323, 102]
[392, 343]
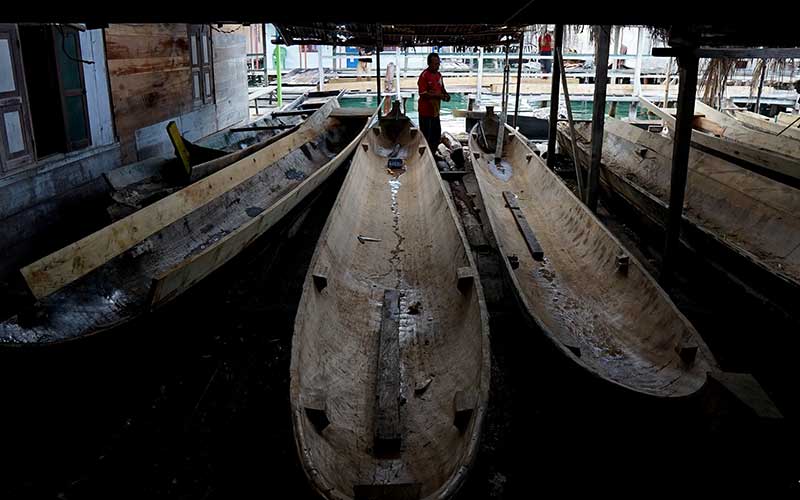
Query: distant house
[77, 102]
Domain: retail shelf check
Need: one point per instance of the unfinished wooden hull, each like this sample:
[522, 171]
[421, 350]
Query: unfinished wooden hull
[390, 356]
[146, 259]
[140, 184]
[584, 291]
[748, 223]
[766, 125]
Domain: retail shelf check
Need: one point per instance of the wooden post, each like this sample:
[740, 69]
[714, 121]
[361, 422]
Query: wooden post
[480, 74]
[266, 63]
[666, 84]
[498, 153]
[519, 75]
[598, 113]
[320, 70]
[551, 139]
[279, 76]
[378, 77]
[397, 70]
[637, 72]
[687, 91]
[761, 85]
[578, 172]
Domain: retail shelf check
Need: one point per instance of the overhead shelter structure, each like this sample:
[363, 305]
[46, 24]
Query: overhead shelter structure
[377, 36]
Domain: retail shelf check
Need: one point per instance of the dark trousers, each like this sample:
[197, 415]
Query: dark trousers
[431, 130]
[547, 64]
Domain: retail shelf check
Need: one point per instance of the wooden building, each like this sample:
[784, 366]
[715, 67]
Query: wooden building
[78, 102]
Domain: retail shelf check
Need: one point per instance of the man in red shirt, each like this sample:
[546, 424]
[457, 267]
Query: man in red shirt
[546, 49]
[431, 95]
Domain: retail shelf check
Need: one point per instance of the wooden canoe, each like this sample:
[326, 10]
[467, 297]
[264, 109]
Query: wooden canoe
[578, 283]
[763, 153]
[766, 125]
[390, 356]
[748, 223]
[144, 260]
[140, 184]
[530, 126]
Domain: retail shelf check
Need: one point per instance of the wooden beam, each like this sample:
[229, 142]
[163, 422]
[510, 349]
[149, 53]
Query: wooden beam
[522, 223]
[603, 39]
[687, 67]
[387, 380]
[551, 139]
[519, 75]
[572, 136]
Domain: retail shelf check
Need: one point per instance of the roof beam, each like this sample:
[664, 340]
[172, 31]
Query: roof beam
[739, 53]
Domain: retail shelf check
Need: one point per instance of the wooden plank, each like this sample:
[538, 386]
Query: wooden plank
[530, 238]
[190, 271]
[60, 268]
[758, 160]
[344, 112]
[387, 383]
[293, 112]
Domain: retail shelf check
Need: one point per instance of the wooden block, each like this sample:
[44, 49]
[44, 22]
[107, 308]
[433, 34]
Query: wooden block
[452, 174]
[422, 150]
[387, 381]
[514, 261]
[365, 146]
[464, 404]
[316, 407]
[466, 278]
[320, 281]
[476, 155]
[397, 491]
[530, 238]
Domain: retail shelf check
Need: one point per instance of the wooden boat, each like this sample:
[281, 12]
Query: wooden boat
[723, 136]
[767, 125]
[137, 185]
[390, 356]
[578, 283]
[144, 260]
[748, 223]
[531, 127]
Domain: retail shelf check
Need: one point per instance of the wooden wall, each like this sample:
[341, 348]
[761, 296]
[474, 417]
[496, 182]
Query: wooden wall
[150, 78]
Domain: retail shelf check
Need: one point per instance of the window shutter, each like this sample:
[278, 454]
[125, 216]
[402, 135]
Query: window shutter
[16, 146]
[73, 89]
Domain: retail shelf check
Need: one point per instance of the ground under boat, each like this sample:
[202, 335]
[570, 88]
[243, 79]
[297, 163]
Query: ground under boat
[146, 259]
[137, 185]
[390, 356]
[746, 223]
[577, 282]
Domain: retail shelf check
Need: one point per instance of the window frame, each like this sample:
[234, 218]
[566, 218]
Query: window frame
[203, 69]
[18, 98]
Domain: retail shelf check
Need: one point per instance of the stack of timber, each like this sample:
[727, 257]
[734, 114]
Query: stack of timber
[724, 136]
[767, 125]
[745, 223]
[140, 184]
[579, 285]
[146, 259]
[390, 358]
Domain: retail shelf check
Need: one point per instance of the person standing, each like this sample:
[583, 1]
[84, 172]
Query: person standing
[363, 62]
[546, 49]
[431, 94]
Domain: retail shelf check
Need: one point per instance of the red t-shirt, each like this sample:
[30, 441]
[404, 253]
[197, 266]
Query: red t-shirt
[429, 81]
[545, 43]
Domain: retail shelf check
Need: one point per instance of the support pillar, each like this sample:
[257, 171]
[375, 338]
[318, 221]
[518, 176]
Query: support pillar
[551, 139]
[687, 91]
[602, 40]
[519, 75]
[480, 75]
